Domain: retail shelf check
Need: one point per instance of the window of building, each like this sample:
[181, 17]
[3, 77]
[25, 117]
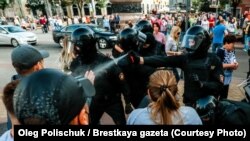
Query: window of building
[86, 9]
[75, 10]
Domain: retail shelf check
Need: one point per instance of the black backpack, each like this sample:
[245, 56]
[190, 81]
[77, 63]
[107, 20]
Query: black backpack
[230, 112]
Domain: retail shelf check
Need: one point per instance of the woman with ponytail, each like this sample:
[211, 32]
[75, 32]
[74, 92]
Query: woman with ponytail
[165, 108]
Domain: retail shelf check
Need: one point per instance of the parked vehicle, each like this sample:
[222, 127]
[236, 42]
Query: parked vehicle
[15, 35]
[104, 39]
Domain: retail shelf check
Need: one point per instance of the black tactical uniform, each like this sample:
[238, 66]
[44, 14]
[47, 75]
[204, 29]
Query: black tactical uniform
[136, 75]
[203, 72]
[144, 26]
[109, 81]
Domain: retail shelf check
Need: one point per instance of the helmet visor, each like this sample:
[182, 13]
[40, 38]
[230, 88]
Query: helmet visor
[141, 37]
[191, 42]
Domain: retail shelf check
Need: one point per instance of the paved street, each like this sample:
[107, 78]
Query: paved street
[46, 42]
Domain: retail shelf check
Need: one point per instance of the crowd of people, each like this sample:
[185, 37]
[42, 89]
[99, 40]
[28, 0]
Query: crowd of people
[142, 71]
[109, 22]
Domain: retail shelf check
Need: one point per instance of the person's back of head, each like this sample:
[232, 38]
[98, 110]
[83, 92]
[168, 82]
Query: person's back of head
[162, 89]
[25, 57]
[51, 97]
[229, 39]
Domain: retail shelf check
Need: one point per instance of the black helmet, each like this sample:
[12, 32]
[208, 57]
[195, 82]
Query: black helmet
[205, 107]
[83, 36]
[143, 26]
[131, 39]
[84, 43]
[196, 40]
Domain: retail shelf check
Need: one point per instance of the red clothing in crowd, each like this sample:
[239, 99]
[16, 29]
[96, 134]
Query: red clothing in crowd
[211, 22]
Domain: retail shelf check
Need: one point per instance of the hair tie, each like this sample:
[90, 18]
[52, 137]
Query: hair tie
[163, 88]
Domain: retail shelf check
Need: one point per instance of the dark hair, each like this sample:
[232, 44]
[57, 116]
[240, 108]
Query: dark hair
[34, 121]
[130, 24]
[8, 93]
[229, 39]
[158, 25]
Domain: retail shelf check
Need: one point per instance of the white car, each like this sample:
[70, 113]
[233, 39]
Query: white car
[15, 35]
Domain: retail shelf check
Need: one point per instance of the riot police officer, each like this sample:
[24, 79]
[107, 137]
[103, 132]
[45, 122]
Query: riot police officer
[150, 47]
[127, 36]
[136, 75]
[203, 72]
[144, 26]
[109, 83]
[154, 47]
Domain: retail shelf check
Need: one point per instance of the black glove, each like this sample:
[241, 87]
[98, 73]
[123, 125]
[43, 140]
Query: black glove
[128, 108]
[196, 80]
[134, 58]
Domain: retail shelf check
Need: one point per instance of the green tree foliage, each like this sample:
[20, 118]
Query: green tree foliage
[204, 6]
[4, 4]
[102, 3]
[195, 4]
[36, 5]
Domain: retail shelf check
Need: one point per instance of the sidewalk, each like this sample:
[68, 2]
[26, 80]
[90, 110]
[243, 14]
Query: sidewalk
[238, 45]
[235, 92]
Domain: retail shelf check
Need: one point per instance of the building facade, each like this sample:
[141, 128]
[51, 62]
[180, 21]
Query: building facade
[244, 6]
[158, 5]
[111, 6]
[17, 9]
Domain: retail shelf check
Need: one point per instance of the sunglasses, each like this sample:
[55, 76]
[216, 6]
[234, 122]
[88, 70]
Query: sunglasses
[178, 33]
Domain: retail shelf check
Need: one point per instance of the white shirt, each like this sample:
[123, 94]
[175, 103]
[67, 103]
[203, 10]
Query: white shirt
[205, 24]
[142, 117]
[7, 136]
[171, 45]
